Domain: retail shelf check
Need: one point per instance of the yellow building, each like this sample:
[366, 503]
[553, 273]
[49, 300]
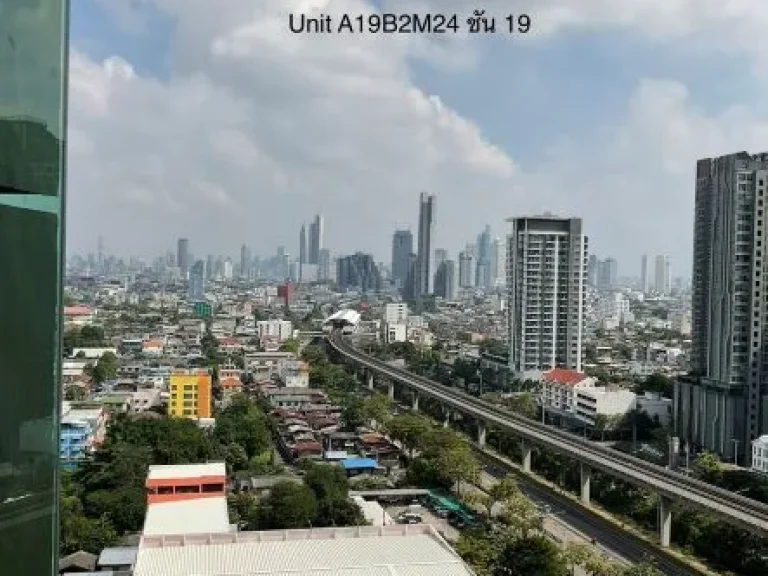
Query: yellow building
[190, 394]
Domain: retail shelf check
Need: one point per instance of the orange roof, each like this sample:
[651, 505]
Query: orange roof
[152, 344]
[231, 383]
[564, 376]
[77, 311]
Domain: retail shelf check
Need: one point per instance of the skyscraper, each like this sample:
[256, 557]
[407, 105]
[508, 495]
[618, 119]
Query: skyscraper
[644, 273]
[593, 270]
[607, 274]
[324, 265]
[662, 282]
[197, 281]
[182, 256]
[359, 272]
[33, 85]
[445, 280]
[303, 244]
[483, 268]
[315, 239]
[466, 269]
[424, 248]
[245, 262]
[209, 265]
[497, 261]
[402, 247]
[724, 404]
[546, 277]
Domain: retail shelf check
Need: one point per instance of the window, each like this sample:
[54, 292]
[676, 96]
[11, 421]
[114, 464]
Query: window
[31, 202]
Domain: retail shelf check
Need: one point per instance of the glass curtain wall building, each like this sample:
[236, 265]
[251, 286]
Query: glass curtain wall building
[33, 81]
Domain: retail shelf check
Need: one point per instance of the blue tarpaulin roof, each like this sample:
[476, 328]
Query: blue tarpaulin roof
[356, 463]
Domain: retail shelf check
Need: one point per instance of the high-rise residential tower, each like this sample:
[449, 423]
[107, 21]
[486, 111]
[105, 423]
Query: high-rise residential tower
[546, 284]
[33, 113]
[182, 256]
[402, 247]
[315, 240]
[445, 280]
[424, 249]
[644, 273]
[723, 406]
[483, 268]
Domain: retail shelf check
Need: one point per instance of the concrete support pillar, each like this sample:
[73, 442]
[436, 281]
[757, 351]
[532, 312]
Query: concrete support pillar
[415, 401]
[526, 450]
[665, 521]
[391, 390]
[586, 480]
[370, 380]
[481, 433]
[447, 417]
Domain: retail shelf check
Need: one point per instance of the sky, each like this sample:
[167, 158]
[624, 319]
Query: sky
[210, 119]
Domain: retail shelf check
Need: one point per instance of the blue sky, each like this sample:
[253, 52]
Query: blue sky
[586, 118]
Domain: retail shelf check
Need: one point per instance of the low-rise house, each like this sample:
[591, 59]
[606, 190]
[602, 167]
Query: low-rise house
[83, 428]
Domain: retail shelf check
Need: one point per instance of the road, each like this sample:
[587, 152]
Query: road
[733, 508]
[571, 523]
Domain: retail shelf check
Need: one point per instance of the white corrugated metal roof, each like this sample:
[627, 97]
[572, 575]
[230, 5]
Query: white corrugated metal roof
[198, 516]
[164, 472]
[369, 551]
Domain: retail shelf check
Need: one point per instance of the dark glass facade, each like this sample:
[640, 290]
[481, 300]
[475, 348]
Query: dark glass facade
[33, 80]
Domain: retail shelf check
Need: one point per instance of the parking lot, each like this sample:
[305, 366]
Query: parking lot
[440, 524]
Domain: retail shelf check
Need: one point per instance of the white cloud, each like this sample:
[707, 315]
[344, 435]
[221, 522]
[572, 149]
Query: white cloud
[258, 129]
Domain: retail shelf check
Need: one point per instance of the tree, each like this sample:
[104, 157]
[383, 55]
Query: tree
[244, 424]
[106, 368]
[532, 556]
[379, 409]
[458, 464]
[339, 513]
[707, 467]
[290, 345]
[410, 430]
[328, 482]
[504, 490]
[524, 405]
[479, 549]
[75, 394]
[81, 533]
[521, 515]
[353, 413]
[642, 569]
[658, 384]
[124, 507]
[289, 505]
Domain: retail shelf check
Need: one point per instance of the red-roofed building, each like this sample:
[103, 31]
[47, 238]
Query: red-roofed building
[78, 315]
[558, 388]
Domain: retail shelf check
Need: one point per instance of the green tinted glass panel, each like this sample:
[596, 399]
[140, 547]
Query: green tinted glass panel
[33, 56]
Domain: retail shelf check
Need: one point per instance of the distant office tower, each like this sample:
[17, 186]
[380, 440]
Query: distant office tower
[402, 248]
[667, 275]
[209, 267]
[409, 288]
[724, 405]
[424, 248]
[497, 261]
[182, 256]
[441, 255]
[662, 269]
[228, 269]
[445, 280]
[593, 269]
[483, 268]
[315, 240]
[546, 276]
[197, 281]
[466, 269]
[100, 253]
[644, 273]
[303, 251]
[607, 274]
[324, 265]
[245, 262]
[358, 272]
[303, 244]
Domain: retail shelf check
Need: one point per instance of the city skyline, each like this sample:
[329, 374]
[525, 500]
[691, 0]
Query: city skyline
[620, 155]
